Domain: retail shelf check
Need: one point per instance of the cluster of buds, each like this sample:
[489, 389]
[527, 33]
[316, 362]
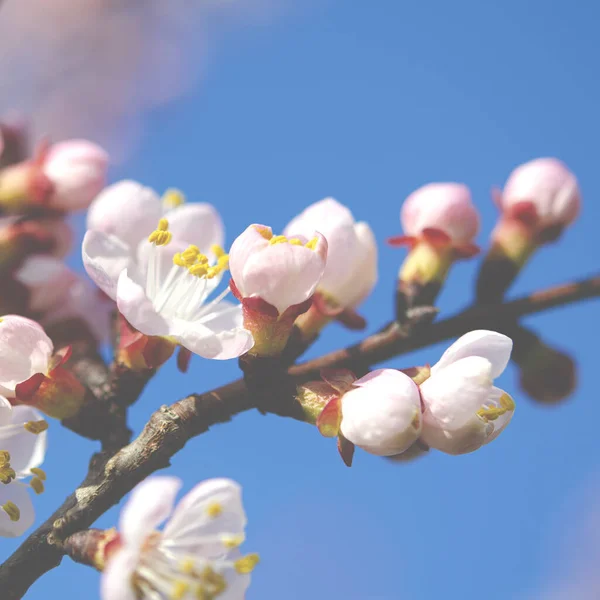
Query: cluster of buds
[453, 406]
[36, 194]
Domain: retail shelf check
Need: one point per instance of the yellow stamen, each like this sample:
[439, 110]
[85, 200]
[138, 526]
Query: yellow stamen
[295, 242]
[491, 413]
[4, 458]
[217, 250]
[172, 198]
[12, 510]
[7, 474]
[278, 239]
[39, 473]
[312, 244]
[37, 485]
[264, 232]
[213, 580]
[161, 236]
[199, 270]
[187, 566]
[36, 427]
[232, 541]
[180, 590]
[214, 509]
[246, 564]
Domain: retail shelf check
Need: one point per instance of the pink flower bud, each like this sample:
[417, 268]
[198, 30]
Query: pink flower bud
[441, 207]
[77, 172]
[382, 413]
[282, 272]
[543, 191]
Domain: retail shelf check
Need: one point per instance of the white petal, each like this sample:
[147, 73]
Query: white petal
[503, 420]
[244, 246]
[193, 520]
[6, 410]
[382, 414]
[336, 223]
[236, 585]
[26, 449]
[135, 306]
[105, 257]
[25, 349]
[493, 346]
[283, 274]
[198, 224]
[469, 437]
[116, 582]
[17, 493]
[150, 503]
[127, 210]
[453, 395]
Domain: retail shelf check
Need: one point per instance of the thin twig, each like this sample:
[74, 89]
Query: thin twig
[109, 479]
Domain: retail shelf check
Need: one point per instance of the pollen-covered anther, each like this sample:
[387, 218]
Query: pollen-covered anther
[172, 198]
[37, 485]
[7, 473]
[247, 563]
[214, 509]
[491, 413]
[232, 541]
[312, 244]
[180, 590]
[12, 510]
[214, 584]
[161, 236]
[36, 427]
[39, 473]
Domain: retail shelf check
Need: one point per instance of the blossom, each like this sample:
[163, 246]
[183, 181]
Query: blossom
[22, 450]
[76, 170]
[382, 412]
[129, 211]
[274, 278]
[194, 556]
[463, 409]
[351, 269]
[542, 192]
[165, 291]
[443, 210]
[32, 373]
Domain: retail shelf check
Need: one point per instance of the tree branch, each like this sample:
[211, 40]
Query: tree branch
[110, 478]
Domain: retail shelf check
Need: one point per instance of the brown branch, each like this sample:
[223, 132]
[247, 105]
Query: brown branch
[110, 478]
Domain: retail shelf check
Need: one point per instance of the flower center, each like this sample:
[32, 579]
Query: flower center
[181, 292]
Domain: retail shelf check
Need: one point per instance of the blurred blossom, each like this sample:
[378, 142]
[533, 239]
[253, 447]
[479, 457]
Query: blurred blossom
[92, 68]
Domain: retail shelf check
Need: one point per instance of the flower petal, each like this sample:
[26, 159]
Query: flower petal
[6, 410]
[26, 449]
[283, 274]
[250, 241]
[25, 349]
[105, 257]
[468, 438]
[453, 395]
[135, 306]
[150, 503]
[197, 223]
[382, 415]
[116, 582]
[503, 420]
[212, 508]
[127, 210]
[17, 493]
[493, 346]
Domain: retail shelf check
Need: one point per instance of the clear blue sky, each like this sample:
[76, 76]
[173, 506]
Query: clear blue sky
[365, 102]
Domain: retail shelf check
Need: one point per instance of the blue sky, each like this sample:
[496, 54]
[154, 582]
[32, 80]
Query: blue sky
[365, 102]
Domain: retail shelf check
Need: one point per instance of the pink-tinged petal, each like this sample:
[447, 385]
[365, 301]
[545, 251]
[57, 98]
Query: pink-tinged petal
[444, 206]
[468, 438]
[284, 274]
[48, 281]
[382, 415]
[211, 508]
[117, 577]
[453, 395]
[149, 504]
[127, 210]
[77, 170]
[25, 349]
[252, 240]
[336, 223]
[135, 306]
[197, 223]
[26, 449]
[493, 346]
[17, 493]
[550, 186]
[105, 257]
